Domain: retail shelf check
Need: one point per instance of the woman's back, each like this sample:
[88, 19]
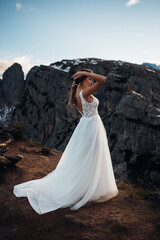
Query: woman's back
[79, 101]
[87, 109]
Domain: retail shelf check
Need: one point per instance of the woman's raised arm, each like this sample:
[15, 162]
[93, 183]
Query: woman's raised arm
[100, 80]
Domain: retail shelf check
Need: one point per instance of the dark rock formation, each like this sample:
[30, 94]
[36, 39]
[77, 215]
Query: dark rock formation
[11, 88]
[42, 106]
[12, 85]
[129, 107]
[30, 73]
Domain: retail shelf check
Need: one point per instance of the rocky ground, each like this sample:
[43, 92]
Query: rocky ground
[129, 216]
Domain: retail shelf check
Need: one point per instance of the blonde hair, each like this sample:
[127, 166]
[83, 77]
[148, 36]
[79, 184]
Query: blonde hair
[72, 93]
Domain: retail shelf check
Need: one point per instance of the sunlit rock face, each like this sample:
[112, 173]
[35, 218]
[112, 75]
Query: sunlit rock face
[129, 107]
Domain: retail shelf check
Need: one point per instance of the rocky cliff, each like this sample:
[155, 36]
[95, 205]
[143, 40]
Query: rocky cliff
[12, 85]
[129, 107]
[11, 88]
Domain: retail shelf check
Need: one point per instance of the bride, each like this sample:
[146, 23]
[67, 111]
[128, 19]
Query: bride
[84, 172]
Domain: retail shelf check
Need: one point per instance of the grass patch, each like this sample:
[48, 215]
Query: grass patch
[32, 143]
[121, 186]
[38, 144]
[132, 188]
[21, 126]
[141, 192]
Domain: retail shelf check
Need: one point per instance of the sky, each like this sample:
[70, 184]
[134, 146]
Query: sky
[35, 32]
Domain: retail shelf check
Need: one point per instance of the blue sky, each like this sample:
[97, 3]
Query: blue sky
[35, 32]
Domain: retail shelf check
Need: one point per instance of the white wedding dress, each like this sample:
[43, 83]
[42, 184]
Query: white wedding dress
[84, 172]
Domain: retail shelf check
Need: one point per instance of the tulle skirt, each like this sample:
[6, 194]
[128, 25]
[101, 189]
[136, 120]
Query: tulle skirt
[83, 174]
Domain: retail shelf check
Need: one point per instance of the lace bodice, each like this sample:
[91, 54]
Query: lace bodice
[89, 108]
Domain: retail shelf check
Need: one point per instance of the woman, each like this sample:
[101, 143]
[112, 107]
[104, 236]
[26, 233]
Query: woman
[84, 172]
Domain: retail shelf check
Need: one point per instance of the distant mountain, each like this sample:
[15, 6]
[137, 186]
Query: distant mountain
[157, 67]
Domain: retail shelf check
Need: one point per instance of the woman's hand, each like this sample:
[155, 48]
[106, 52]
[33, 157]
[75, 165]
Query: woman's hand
[79, 74]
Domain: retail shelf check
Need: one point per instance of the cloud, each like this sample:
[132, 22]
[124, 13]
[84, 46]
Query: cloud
[18, 6]
[24, 8]
[132, 2]
[25, 62]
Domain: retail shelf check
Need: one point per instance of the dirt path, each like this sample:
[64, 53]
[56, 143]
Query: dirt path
[128, 216]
